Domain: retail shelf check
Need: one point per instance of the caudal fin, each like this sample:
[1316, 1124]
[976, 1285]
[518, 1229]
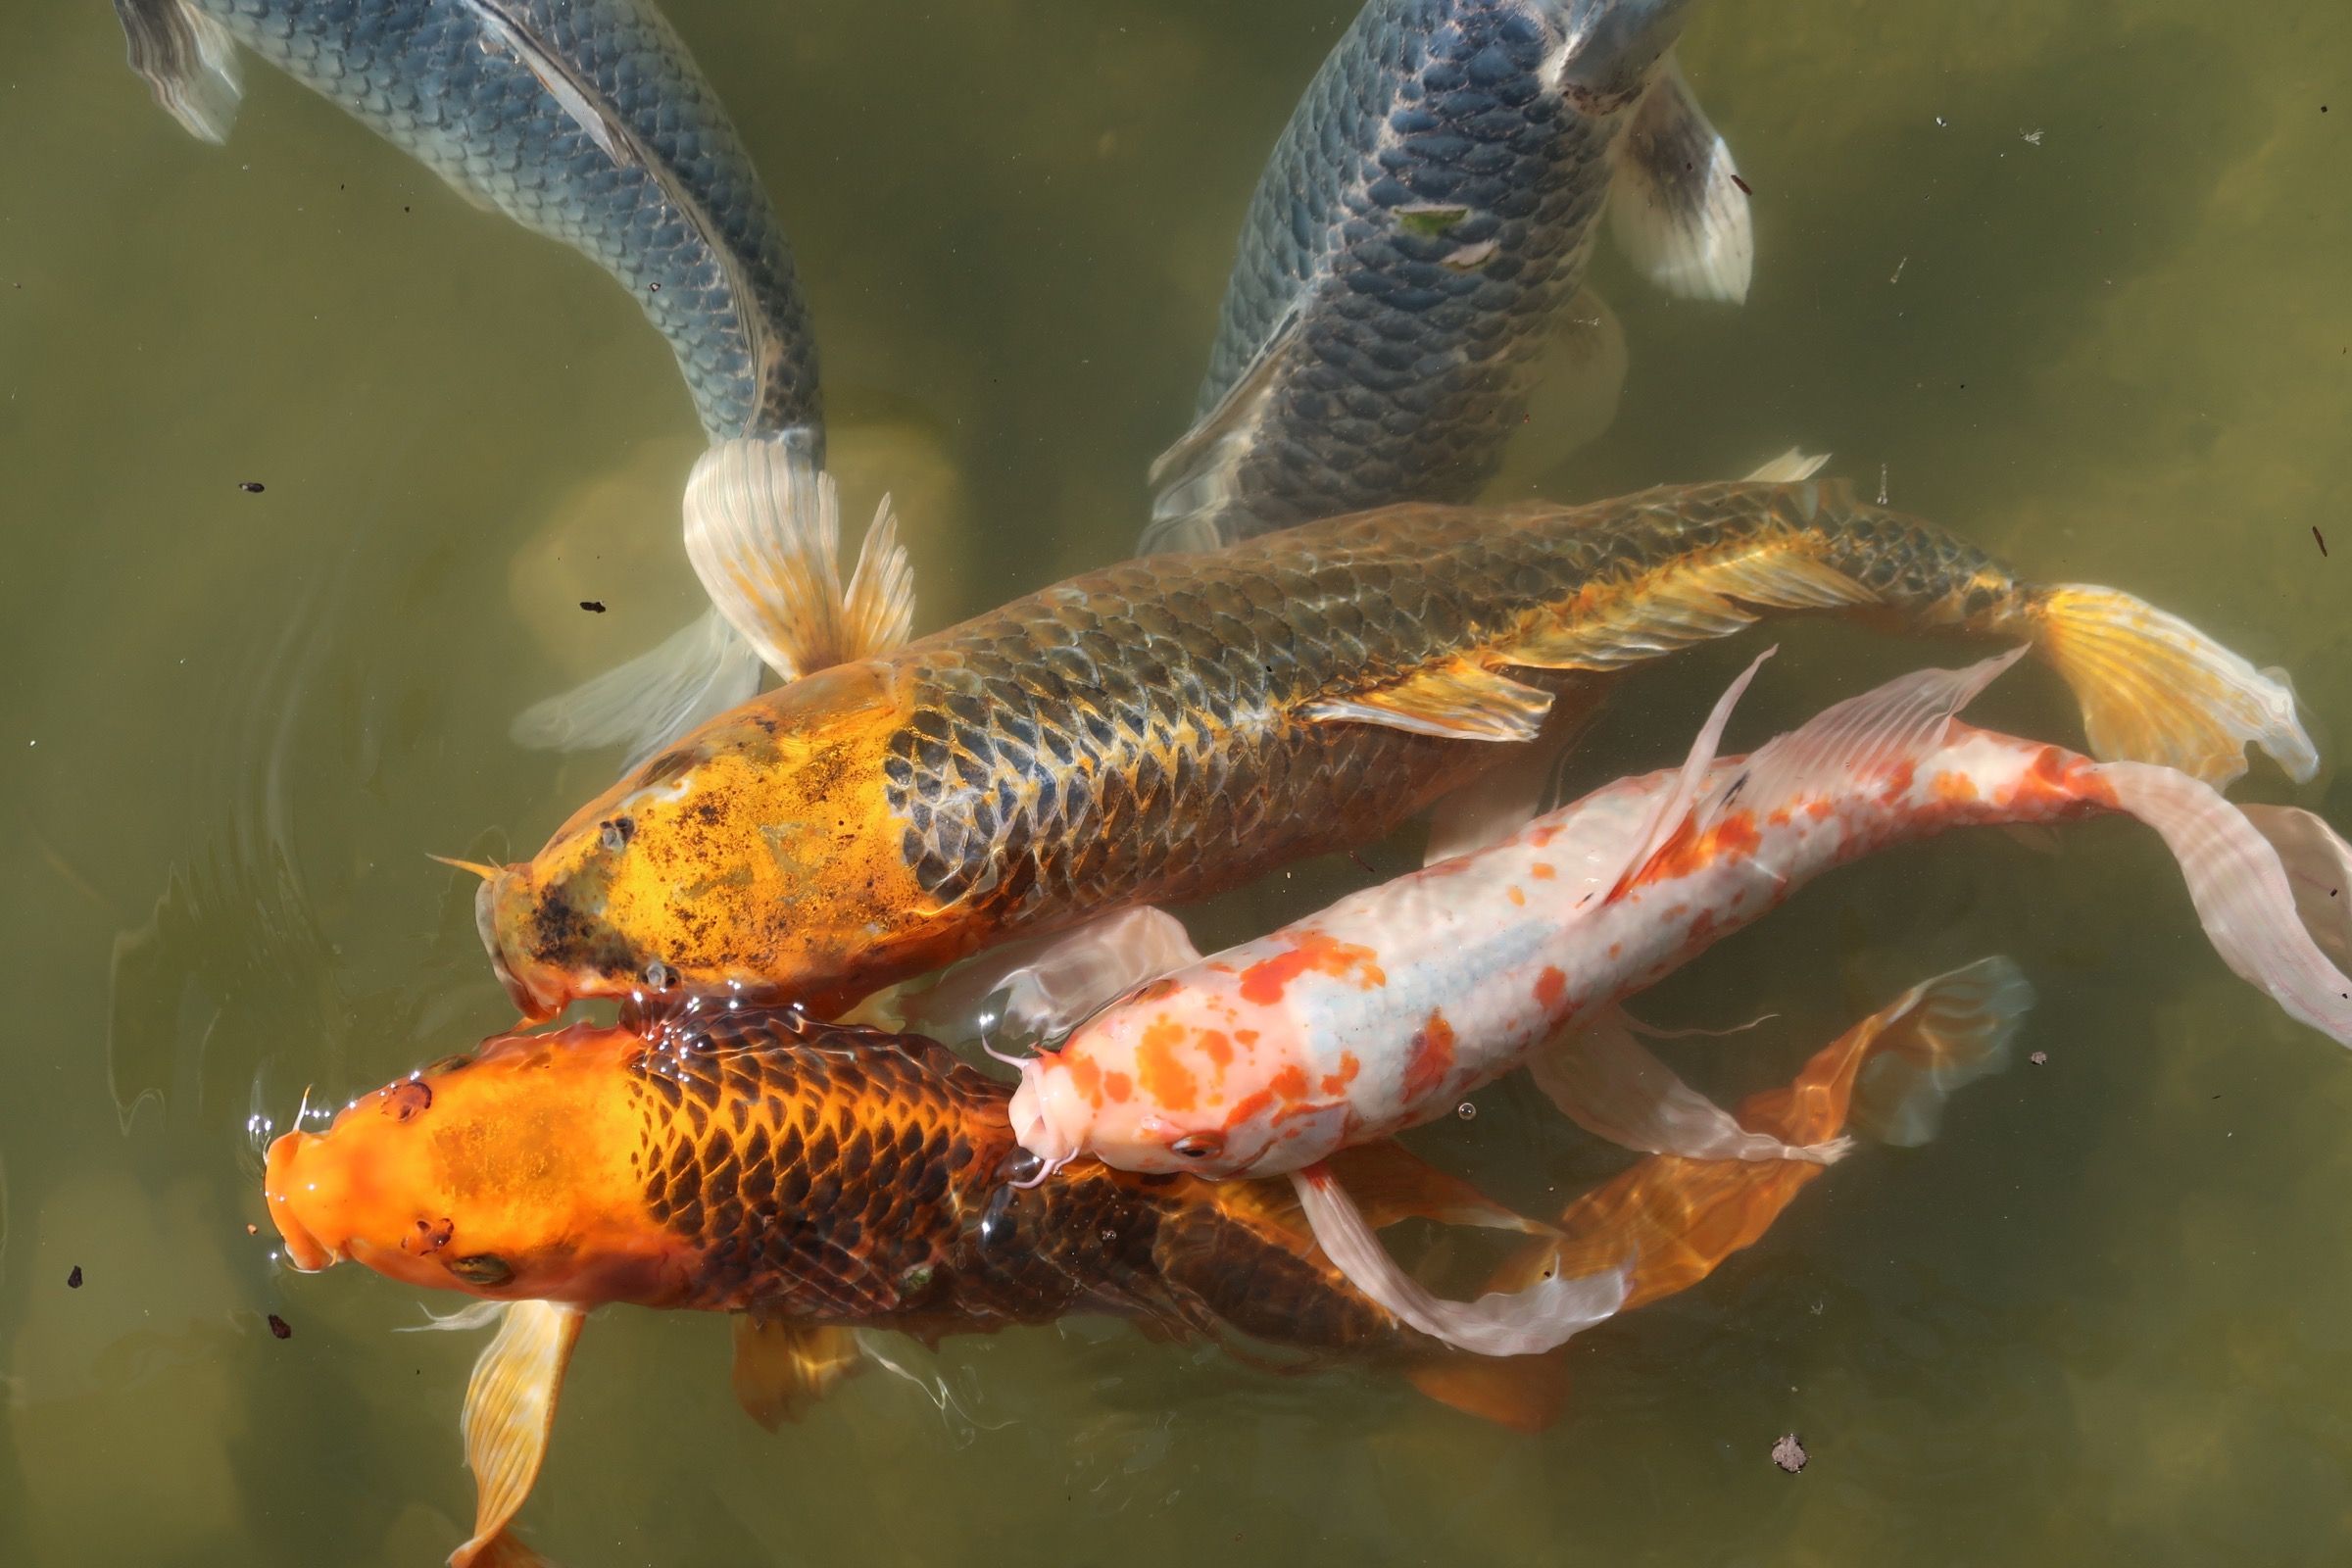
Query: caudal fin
[2241, 891]
[1677, 203]
[2155, 689]
[188, 61]
[1935, 1039]
[2318, 868]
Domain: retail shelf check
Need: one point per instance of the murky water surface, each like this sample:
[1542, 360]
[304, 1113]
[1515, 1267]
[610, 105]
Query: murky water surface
[2069, 277]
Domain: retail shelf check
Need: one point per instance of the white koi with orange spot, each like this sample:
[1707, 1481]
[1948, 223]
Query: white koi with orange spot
[1382, 1009]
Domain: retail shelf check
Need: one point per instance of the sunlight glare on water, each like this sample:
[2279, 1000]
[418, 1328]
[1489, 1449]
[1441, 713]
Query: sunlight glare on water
[2068, 278]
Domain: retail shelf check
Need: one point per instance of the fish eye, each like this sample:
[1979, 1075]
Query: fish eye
[407, 1101]
[1198, 1145]
[481, 1268]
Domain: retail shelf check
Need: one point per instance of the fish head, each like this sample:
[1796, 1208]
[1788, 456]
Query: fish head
[758, 857]
[505, 1174]
[1614, 47]
[1143, 1087]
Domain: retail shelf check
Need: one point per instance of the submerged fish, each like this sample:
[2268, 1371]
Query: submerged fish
[814, 1179]
[1168, 728]
[585, 120]
[1381, 1011]
[1418, 241]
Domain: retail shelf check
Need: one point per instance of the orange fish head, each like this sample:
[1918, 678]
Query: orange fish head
[760, 857]
[505, 1174]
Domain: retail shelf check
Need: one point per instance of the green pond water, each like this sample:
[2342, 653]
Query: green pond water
[2070, 277]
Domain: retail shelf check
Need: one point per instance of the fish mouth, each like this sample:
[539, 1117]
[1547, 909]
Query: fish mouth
[512, 886]
[303, 1250]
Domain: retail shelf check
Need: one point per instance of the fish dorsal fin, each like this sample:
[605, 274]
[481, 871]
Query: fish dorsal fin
[782, 1368]
[1673, 811]
[1526, 1322]
[187, 60]
[1391, 1183]
[1606, 1081]
[1937, 1038]
[1859, 738]
[764, 529]
[510, 1411]
[579, 101]
[1458, 700]
[1789, 468]
[1192, 481]
[1676, 203]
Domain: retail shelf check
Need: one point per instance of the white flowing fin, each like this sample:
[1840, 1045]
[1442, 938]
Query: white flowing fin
[1602, 1079]
[1789, 468]
[1937, 1038]
[693, 675]
[1675, 204]
[2155, 689]
[1857, 739]
[1043, 988]
[1193, 480]
[1519, 1323]
[763, 530]
[2241, 892]
[510, 1411]
[466, 1319]
[2319, 867]
[187, 60]
[1667, 818]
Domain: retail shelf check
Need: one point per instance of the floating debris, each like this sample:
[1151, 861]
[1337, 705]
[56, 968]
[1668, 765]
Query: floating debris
[279, 1327]
[1788, 1453]
[1466, 1111]
[2040, 1059]
[252, 487]
[594, 607]
[2033, 138]
[2319, 538]
[74, 1280]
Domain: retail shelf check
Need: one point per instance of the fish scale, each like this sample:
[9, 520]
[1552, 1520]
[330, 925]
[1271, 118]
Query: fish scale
[689, 232]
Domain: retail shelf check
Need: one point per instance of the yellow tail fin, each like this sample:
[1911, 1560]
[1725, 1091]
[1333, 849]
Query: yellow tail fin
[2155, 689]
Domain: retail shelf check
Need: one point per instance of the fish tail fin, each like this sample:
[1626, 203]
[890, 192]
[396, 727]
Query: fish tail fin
[1676, 202]
[1518, 1392]
[2155, 689]
[1937, 1038]
[695, 674]
[764, 529]
[2242, 890]
[510, 1413]
[2318, 871]
[1523, 1322]
[187, 60]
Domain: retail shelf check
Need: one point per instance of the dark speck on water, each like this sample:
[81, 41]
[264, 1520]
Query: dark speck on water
[1744, 187]
[594, 607]
[1788, 1453]
[279, 1327]
[74, 1280]
[2319, 538]
[252, 487]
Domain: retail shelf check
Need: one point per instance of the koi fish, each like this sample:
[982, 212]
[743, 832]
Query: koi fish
[585, 120]
[812, 1180]
[1381, 1011]
[1417, 245]
[1164, 729]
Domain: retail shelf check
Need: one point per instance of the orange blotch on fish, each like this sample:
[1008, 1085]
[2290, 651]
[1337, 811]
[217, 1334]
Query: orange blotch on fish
[1117, 1086]
[1542, 871]
[1818, 808]
[1289, 1084]
[1247, 1107]
[1955, 788]
[1336, 1082]
[1899, 777]
[1689, 851]
[1517, 897]
[1432, 1058]
[1218, 1046]
[1086, 1076]
[1164, 1079]
[1542, 836]
[1264, 982]
[1551, 987]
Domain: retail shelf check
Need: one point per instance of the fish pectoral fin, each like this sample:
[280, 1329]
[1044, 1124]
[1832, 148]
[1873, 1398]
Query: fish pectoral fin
[1676, 203]
[763, 530]
[187, 60]
[783, 1368]
[1939, 1037]
[510, 1412]
[1521, 1323]
[695, 674]
[1606, 1081]
[1675, 810]
[2155, 689]
[1049, 985]
[1506, 797]
[1192, 481]
[1458, 700]
[1391, 1183]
